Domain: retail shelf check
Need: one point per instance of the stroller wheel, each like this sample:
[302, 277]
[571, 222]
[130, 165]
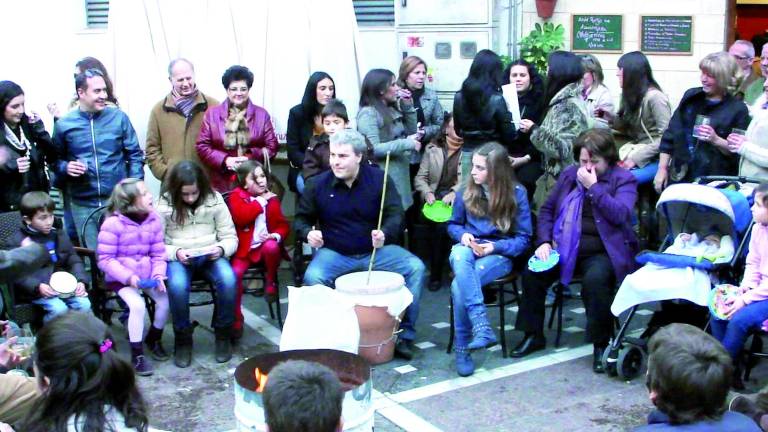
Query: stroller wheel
[630, 363]
[609, 361]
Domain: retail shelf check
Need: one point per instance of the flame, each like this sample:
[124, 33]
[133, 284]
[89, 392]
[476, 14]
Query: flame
[261, 380]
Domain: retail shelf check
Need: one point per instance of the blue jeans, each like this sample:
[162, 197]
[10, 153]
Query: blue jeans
[218, 272]
[55, 306]
[79, 215]
[645, 174]
[327, 265]
[733, 333]
[471, 273]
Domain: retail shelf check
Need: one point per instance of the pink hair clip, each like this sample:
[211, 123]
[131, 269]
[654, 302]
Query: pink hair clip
[105, 346]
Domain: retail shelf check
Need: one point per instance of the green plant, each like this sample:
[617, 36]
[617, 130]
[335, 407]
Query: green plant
[541, 41]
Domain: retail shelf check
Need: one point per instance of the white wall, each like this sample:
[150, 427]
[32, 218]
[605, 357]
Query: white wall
[674, 73]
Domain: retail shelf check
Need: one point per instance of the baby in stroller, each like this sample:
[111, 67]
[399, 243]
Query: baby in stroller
[671, 276]
[704, 227]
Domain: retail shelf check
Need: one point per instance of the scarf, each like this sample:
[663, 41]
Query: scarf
[568, 232]
[184, 103]
[417, 94]
[20, 143]
[236, 130]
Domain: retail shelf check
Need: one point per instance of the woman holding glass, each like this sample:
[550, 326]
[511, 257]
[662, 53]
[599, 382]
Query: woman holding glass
[694, 143]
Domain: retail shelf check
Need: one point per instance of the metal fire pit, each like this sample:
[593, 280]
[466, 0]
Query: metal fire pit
[353, 371]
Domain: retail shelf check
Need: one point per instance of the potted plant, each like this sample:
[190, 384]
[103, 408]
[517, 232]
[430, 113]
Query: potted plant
[545, 8]
[541, 41]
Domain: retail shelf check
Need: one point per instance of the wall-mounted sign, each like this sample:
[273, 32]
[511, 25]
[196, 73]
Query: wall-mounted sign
[666, 34]
[596, 33]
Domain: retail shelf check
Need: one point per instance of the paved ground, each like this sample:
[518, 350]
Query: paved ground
[554, 390]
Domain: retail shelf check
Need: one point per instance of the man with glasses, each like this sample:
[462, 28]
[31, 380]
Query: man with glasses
[96, 147]
[174, 122]
[752, 84]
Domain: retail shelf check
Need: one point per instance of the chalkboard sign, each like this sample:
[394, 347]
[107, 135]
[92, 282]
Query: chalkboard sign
[592, 33]
[666, 35]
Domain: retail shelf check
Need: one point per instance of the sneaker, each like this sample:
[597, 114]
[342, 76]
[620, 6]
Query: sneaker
[142, 366]
[404, 349]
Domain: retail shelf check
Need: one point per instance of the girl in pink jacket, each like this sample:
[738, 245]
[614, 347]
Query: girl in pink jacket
[132, 256]
[748, 310]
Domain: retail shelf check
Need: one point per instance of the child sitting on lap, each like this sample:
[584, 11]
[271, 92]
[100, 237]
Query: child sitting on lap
[37, 214]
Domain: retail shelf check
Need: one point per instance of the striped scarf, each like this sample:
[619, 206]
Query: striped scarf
[184, 103]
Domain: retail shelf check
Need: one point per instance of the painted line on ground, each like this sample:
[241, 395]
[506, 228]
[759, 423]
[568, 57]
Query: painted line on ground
[390, 405]
[483, 376]
[401, 416]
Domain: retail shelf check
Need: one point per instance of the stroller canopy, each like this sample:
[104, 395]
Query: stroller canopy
[702, 209]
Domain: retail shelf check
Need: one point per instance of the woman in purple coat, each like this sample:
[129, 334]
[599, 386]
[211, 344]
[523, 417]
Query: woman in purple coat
[234, 131]
[586, 219]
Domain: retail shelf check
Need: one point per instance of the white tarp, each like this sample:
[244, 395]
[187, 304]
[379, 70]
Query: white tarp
[281, 41]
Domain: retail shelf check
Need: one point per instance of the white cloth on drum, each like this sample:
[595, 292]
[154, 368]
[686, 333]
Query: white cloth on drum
[320, 318]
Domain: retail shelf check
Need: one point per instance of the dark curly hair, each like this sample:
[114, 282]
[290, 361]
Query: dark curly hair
[237, 73]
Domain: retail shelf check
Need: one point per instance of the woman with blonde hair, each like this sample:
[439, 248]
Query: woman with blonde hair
[597, 96]
[412, 78]
[688, 150]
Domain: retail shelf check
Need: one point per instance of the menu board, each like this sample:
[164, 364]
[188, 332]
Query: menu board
[596, 33]
[666, 34]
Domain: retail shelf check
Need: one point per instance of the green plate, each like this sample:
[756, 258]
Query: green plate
[438, 211]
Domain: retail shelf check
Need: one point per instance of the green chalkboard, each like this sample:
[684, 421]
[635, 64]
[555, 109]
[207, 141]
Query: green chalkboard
[593, 33]
[666, 34]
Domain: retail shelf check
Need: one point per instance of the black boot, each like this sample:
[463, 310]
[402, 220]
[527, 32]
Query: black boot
[182, 347]
[155, 344]
[530, 343]
[597, 357]
[223, 344]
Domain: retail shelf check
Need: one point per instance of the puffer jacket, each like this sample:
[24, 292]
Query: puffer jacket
[108, 142]
[209, 225]
[128, 248]
[210, 141]
[16, 184]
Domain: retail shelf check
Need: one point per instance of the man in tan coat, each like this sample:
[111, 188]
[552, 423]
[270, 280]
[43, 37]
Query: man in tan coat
[174, 122]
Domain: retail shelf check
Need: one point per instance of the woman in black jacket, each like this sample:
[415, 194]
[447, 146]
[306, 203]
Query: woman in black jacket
[688, 151]
[23, 145]
[304, 122]
[530, 97]
[479, 111]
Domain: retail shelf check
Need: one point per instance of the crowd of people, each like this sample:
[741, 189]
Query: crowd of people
[564, 178]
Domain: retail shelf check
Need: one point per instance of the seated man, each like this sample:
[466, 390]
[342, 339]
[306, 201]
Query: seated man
[344, 204]
[689, 374]
[303, 396]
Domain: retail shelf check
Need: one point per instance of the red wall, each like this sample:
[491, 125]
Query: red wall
[751, 20]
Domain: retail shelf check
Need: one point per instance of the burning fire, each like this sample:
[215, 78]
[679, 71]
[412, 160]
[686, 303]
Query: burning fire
[261, 380]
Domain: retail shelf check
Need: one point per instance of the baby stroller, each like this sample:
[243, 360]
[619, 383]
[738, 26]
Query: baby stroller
[686, 208]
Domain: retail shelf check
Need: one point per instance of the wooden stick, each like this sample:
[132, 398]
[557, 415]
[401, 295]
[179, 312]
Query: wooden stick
[381, 214]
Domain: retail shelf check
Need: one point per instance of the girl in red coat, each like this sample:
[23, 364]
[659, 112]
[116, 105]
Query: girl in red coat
[261, 230]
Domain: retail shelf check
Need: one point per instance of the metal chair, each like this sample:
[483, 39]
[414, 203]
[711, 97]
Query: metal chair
[498, 287]
[104, 302]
